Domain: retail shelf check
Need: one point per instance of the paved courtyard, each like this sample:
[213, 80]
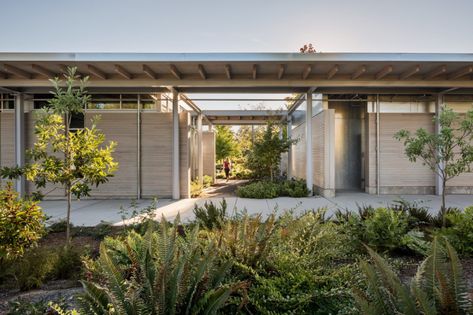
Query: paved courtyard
[92, 212]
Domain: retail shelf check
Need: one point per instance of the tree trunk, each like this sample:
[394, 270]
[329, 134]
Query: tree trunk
[68, 228]
[444, 208]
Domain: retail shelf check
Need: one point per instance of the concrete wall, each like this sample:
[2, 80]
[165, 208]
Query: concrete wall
[298, 167]
[208, 148]
[184, 156]
[397, 174]
[323, 152]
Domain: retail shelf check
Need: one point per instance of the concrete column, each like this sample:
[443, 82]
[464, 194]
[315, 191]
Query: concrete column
[438, 110]
[308, 138]
[20, 140]
[289, 153]
[200, 151]
[378, 174]
[176, 193]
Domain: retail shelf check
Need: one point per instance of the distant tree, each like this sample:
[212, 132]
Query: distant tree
[307, 49]
[226, 146]
[448, 153]
[265, 156]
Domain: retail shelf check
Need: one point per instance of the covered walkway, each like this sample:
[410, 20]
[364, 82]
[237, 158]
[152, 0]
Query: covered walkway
[93, 212]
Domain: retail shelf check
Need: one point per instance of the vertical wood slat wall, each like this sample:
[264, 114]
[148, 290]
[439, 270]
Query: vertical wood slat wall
[298, 152]
[7, 139]
[208, 148]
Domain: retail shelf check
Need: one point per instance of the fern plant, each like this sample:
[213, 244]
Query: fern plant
[211, 215]
[437, 288]
[158, 273]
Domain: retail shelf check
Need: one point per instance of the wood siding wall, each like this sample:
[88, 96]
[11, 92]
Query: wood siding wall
[298, 167]
[7, 139]
[323, 152]
[208, 148]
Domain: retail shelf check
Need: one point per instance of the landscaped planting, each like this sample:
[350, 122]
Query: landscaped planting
[273, 189]
[352, 263]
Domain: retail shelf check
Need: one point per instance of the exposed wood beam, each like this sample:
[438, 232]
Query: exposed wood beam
[384, 72]
[332, 72]
[123, 72]
[202, 72]
[149, 72]
[175, 72]
[409, 73]
[43, 71]
[281, 70]
[460, 73]
[3, 75]
[358, 72]
[436, 72]
[228, 72]
[97, 72]
[306, 72]
[254, 71]
[17, 71]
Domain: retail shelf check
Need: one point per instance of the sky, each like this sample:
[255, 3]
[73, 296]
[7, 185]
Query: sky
[236, 26]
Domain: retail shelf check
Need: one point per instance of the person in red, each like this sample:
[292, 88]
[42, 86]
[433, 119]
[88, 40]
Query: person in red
[226, 168]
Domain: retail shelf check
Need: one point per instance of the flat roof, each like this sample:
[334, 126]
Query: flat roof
[257, 72]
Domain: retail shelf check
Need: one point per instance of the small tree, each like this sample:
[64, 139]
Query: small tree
[225, 144]
[76, 160]
[448, 153]
[265, 156]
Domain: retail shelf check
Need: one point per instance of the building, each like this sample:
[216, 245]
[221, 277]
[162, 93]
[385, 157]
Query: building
[345, 111]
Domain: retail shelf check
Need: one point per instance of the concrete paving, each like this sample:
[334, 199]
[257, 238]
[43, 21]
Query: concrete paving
[93, 212]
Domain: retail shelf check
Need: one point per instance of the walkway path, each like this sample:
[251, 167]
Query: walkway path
[92, 212]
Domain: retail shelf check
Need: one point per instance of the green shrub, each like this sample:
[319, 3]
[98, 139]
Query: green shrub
[438, 287]
[160, 272]
[460, 230]
[208, 181]
[31, 270]
[259, 190]
[21, 223]
[59, 226]
[196, 188]
[25, 307]
[68, 264]
[211, 216]
[294, 188]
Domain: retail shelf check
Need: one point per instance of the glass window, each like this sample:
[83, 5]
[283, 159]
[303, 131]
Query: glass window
[103, 105]
[148, 104]
[129, 105]
[77, 121]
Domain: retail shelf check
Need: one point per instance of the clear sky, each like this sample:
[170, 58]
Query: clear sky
[236, 25]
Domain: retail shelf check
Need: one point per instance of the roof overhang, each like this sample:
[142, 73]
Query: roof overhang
[243, 117]
[255, 72]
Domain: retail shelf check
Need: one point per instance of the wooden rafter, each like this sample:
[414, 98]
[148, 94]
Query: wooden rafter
[332, 72]
[306, 72]
[228, 71]
[17, 71]
[281, 70]
[97, 72]
[175, 72]
[409, 73]
[358, 72]
[254, 71]
[149, 72]
[123, 72]
[436, 72]
[384, 72]
[43, 71]
[202, 72]
[460, 73]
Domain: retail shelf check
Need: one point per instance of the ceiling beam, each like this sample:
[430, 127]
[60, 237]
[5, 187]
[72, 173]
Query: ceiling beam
[254, 71]
[123, 72]
[332, 72]
[175, 72]
[306, 72]
[43, 71]
[202, 72]
[409, 73]
[384, 72]
[281, 70]
[3, 75]
[97, 72]
[228, 71]
[358, 72]
[17, 71]
[149, 72]
[436, 72]
[460, 73]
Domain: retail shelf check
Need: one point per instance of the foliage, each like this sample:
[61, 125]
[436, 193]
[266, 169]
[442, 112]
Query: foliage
[460, 230]
[384, 229]
[225, 144]
[33, 268]
[307, 49]
[272, 189]
[208, 181]
[41, 307]
[265, 156]
[68, 263]
[210, 215]
[196, 188]
[21, 224]
[448, 153]
[158, 273]
[437, 288]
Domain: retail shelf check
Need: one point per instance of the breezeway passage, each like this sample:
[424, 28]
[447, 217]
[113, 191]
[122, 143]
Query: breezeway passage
[93, 212]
